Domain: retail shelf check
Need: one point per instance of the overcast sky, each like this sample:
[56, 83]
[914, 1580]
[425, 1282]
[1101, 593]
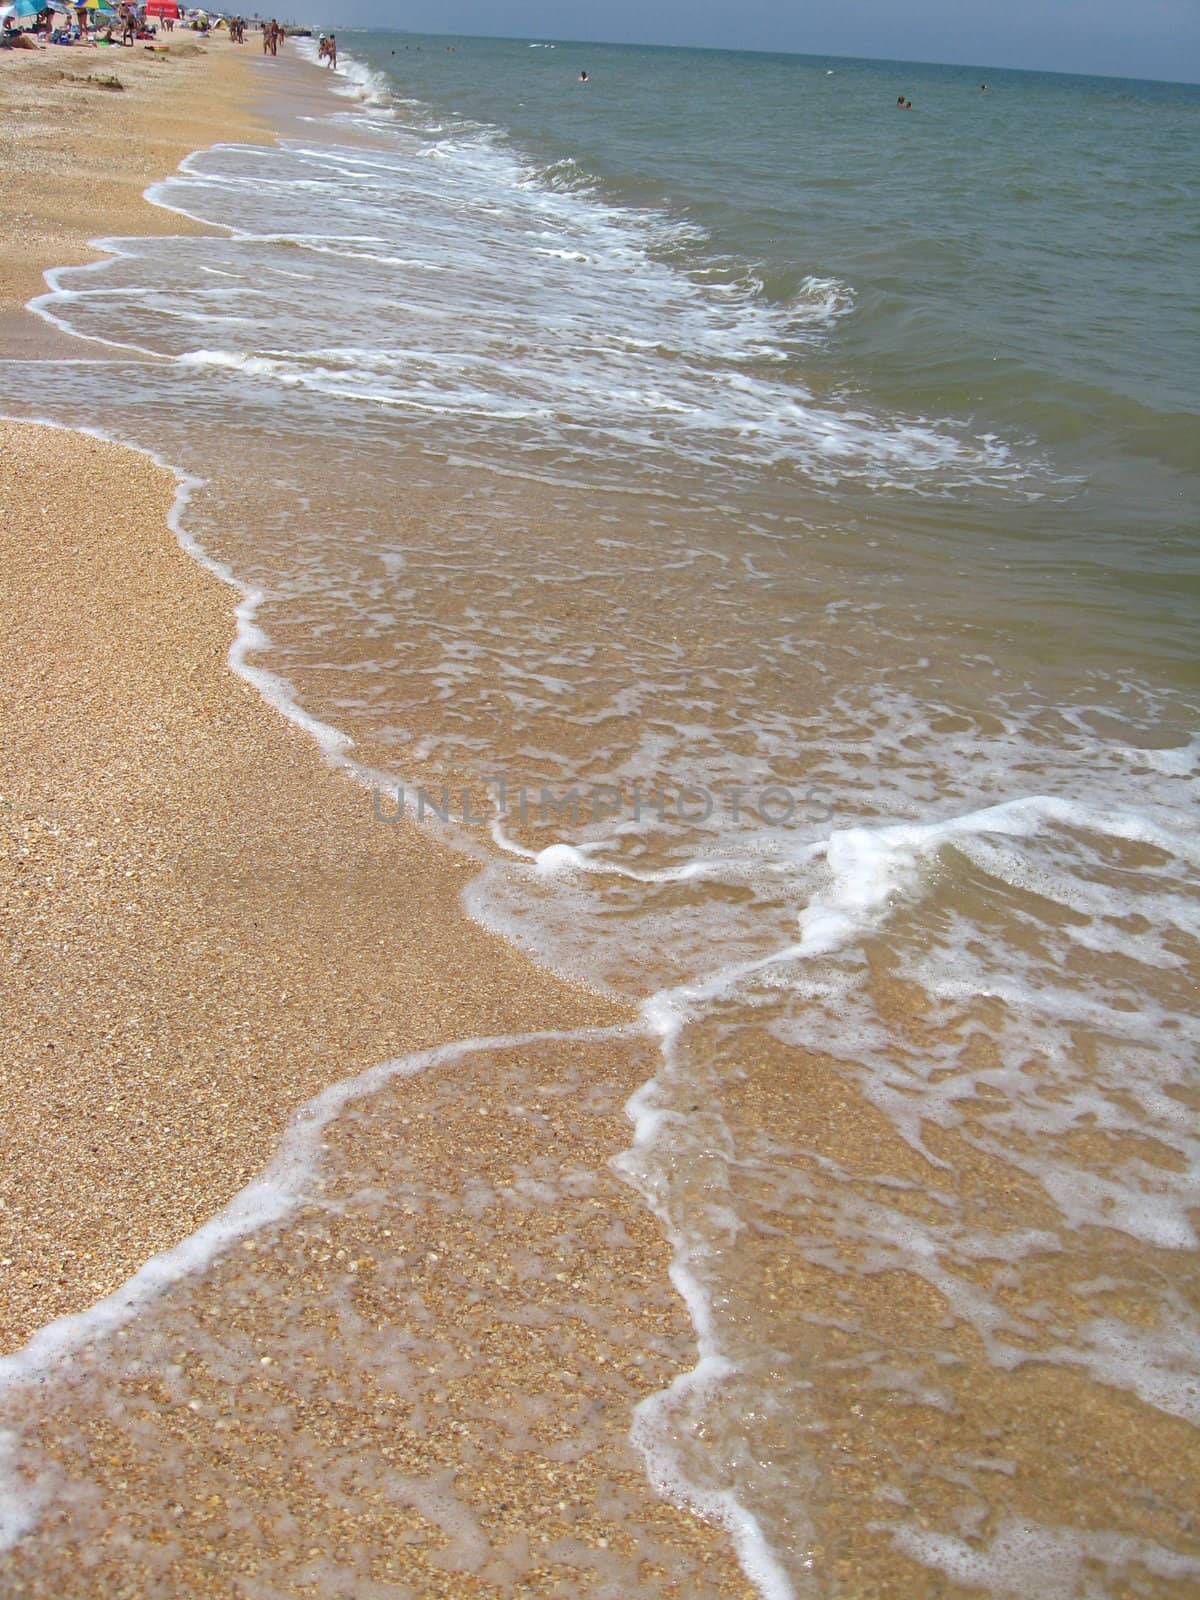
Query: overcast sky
[1132, 38]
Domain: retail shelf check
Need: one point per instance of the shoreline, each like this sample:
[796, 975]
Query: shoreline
[202, 928]
[96, 176]
[421, 1333]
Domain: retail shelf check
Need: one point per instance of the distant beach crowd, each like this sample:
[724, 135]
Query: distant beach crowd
[34, 24]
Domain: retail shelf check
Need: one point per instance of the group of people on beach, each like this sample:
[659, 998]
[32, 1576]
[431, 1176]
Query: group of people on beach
[75, 23]
[273, 36]
[69, 24]
[327, 49]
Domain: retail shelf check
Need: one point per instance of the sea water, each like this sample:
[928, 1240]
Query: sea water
[762, 520]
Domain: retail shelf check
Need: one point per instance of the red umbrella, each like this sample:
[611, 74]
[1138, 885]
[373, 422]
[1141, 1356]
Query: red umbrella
[163, 8]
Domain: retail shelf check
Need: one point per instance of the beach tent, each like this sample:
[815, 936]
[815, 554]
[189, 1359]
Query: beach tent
[163, 8]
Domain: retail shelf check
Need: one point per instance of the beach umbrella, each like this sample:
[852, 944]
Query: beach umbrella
[25, 8]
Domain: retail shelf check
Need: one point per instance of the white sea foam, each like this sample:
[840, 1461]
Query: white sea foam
[350, 77]
[1028, 1560]
[416, 351]
[264, 1202]
[653, 1422]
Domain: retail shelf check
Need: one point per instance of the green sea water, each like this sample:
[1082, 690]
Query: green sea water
[1026, 258]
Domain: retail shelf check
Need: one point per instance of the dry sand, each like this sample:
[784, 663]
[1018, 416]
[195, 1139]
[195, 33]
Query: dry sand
[201, 925]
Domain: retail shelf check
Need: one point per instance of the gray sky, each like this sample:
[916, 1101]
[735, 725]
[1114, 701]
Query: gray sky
[1132, 38]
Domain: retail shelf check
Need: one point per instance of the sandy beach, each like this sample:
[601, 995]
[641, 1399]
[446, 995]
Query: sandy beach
[422, 1382]
[86, 130]
[202, 928]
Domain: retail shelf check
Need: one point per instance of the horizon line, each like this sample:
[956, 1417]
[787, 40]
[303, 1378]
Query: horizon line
[760, 50]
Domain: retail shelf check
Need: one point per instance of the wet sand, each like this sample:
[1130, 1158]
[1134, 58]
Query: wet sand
[202, 925]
